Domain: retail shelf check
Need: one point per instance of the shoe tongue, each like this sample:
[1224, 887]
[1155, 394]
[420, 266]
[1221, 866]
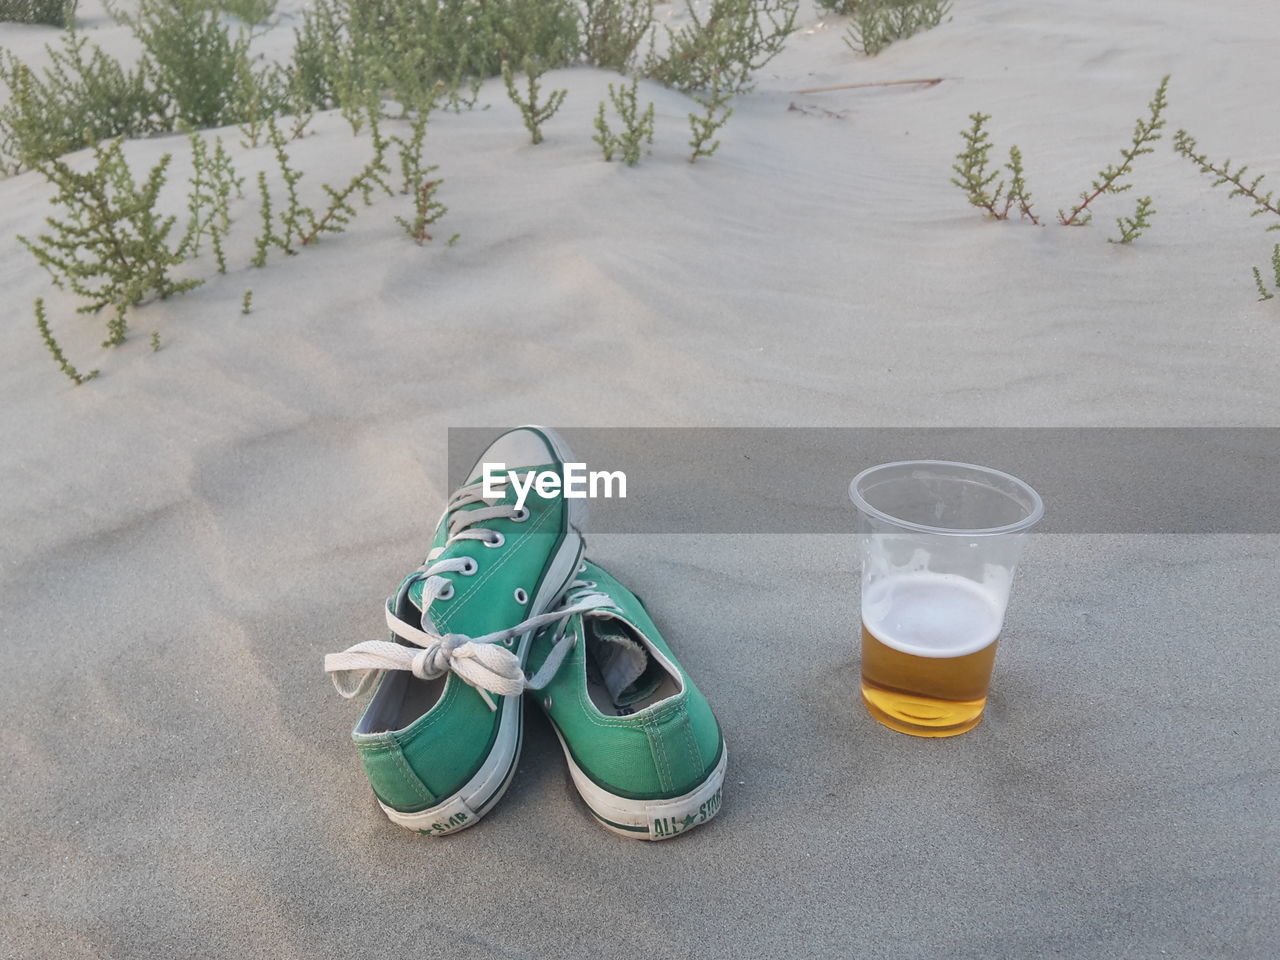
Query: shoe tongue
[415, 594]
[621, 659]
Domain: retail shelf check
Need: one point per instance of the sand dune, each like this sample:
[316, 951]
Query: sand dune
[187, 535]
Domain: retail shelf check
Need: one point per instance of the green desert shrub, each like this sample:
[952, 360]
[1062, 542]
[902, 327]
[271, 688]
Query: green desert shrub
[724, 47]
[82, 97]
[612, 31]
[194, 72]
[200, 67]
[715, 57]
[55, 13]
[110, 247]
[411, 51]
[877, 23]
[247, 11]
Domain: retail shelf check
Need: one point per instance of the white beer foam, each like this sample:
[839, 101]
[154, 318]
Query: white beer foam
[932, 614]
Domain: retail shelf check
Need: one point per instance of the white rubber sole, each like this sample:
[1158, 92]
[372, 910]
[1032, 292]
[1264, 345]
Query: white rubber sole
[479, 795]
[649, 819]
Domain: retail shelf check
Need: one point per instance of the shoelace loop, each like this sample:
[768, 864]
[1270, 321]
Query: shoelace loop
[483, 662]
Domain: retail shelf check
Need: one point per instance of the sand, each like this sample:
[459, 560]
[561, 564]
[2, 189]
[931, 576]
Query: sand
[185, 537]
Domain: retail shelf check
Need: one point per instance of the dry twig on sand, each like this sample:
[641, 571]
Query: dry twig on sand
[927, 81]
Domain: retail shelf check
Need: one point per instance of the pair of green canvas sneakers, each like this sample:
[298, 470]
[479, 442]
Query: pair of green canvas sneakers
[506, 602]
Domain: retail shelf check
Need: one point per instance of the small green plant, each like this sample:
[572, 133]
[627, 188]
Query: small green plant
[1018, 194]
[1241, 186]
[65, 365]
[291, 218]
[1263, 203]
[1146, 131]
[878, 23]
[266, 236]
[426, 211]
[246, 303]
[339, 212]
[985, 189]
[111, 247]
[416, 181]
[155, 341]
[533, 113]
[294, 212]
[55, 13]
[612, 31]
[704, 127]
[297, 225]
[1131, 227]
[972, 176]
[971, 167]
[637, 127]
[1263, 293]
[213, 178]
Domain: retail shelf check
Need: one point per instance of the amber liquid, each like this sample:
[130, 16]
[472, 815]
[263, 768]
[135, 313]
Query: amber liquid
[925, 696]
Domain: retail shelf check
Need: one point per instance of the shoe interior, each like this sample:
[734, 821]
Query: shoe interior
[401, 699]
[623, 676]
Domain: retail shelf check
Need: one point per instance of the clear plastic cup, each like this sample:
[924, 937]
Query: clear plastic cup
[939, 543]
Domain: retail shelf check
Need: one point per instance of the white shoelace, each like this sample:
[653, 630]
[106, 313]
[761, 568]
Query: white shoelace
[580, 596]
[483, 662]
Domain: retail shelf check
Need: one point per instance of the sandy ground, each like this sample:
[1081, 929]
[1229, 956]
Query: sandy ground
[185, 537]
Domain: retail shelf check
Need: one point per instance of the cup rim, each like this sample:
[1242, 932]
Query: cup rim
[1026, 522]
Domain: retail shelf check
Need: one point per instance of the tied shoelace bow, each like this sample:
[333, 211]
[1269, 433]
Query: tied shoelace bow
[483, 662]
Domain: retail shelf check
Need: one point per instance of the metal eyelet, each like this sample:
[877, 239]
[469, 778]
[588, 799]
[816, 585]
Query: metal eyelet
[546, 702]
[521, 515]
[447, 595]
[470, 569]
[582, 568]
[521, 596]
[497, 541]
[591, 584]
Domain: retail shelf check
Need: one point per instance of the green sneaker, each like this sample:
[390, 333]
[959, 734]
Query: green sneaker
[644, 748]
[437, 746]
